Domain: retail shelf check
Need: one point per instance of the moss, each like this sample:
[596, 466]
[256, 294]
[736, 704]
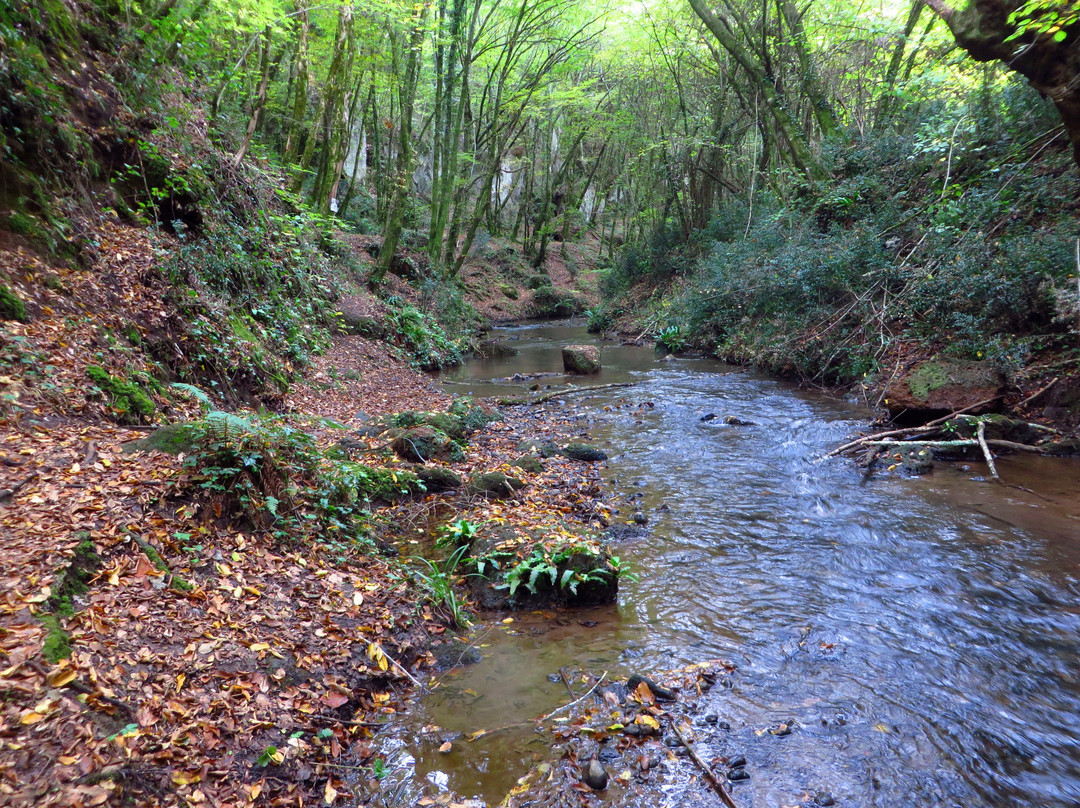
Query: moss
[126, 397]
[75, 578]
[172, 439]
[927, 379]
[57, 643]
[11, 306]
[508, 291]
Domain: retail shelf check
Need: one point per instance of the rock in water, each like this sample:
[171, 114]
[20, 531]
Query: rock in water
[594, 776]
[583, 452]
[581, 359]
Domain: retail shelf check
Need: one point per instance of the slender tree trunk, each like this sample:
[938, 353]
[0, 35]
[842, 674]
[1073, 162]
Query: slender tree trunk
[892, 72]
[260, 100]
[798, 149]
[404, 168]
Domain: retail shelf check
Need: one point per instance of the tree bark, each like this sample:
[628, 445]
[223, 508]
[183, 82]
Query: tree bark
[982, 27]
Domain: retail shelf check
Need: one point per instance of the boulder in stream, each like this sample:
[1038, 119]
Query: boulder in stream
[582, 360]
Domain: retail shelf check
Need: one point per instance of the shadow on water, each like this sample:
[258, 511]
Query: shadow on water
[923, 633]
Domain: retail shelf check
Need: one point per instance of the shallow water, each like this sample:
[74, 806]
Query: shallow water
[923, 633]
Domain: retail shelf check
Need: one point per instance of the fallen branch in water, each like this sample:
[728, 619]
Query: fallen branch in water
[957, 444]
[519, 401]
[481, 733]
[721, 790]
[980, 434]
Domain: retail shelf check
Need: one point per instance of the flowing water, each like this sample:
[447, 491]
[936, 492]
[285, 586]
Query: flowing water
[923, 633]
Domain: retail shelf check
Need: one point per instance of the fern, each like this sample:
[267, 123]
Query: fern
[194, 392]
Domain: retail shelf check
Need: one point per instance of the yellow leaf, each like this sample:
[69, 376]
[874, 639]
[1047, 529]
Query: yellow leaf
[180, 679]
[256, 790]
[259, 646]
[330, 793]
[648, 721]
[881, 728]
[185, 778]
[114, 577]
[446, 747]
[58, 677]
[31, 718]
[67, 760]
[508, 620]
[238, 591]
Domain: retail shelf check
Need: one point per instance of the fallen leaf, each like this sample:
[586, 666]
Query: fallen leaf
[446, 747]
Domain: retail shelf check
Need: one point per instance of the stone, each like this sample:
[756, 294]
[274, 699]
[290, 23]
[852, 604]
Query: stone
[595, 776]
[731, 420]
[529, 463]
[944, 385]
[437, 478]
[420, 444]
[544, 448]
[494, 349]
[917, 460]
[494, 485]
[583, 452]
[582, 360]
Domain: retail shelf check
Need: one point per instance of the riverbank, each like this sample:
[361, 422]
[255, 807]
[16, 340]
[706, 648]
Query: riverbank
[167, 640]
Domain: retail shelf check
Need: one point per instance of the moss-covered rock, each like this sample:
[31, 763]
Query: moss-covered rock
[174, 439]
[57, 643]
[438, 478]
[945, 385]
[11, 306]
[582, 360]
[445, 422]
[583, 452]
[529, 463]
[494, 485]
[420, 444]
[549, 302]
[128, 400]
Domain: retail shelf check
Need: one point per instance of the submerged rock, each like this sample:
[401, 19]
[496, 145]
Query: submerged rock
[582, 360]
[731, 420]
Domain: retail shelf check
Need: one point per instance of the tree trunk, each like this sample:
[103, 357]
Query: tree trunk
[260, 100]
[1052, 67]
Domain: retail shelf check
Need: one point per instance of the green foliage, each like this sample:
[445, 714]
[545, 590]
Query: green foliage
[549, 566]
[942, 235]
[599, 320]
[274, 476]
[128, 400]
[1050, 18]
[461, 533]
[422, 337]
[11, 306]
[672, 338]
[437, 581]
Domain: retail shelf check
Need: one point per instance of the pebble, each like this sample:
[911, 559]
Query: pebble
[712, 718]
[595, 776]
[737, 774]
[608, 754]
[640, 518]
[737, 762]
[824, 799]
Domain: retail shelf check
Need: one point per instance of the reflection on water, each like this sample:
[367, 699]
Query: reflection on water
[923, 633]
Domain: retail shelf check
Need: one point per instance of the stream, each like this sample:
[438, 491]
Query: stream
[922, 632]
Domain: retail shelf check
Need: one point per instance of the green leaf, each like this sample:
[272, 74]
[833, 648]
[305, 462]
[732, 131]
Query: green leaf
[566, 576]
[267, 756]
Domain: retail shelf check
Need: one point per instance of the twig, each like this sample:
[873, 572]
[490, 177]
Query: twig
[370, 724]
[481, 733]
[958, 444]
[1035, 395]
[980, 433]
[725, 795]
[575, 701]
[8, 493]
